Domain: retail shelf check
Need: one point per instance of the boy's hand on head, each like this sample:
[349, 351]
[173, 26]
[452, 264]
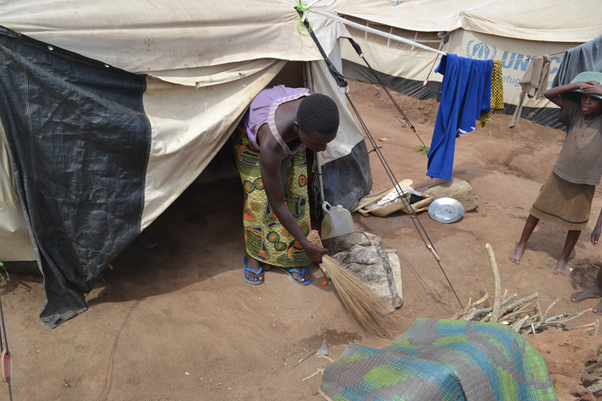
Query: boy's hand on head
[592, 87]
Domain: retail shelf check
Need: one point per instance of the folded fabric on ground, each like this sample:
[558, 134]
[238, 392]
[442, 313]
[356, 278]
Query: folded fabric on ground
[441, 359]
[465, 93]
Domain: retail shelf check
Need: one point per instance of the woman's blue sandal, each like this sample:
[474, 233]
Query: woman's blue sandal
[258, 272]
[301, 272]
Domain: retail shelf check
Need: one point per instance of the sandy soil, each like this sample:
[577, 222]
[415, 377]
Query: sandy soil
[179, 322]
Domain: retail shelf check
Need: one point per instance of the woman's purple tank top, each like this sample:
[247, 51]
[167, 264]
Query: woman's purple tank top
[263, 111]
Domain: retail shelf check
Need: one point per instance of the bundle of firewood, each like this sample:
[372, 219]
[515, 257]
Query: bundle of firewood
[523, 316]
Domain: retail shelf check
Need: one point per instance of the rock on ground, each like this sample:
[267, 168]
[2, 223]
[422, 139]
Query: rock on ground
[363, 254]
[457, 189]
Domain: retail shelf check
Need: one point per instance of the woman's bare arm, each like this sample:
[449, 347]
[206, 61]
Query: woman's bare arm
[271, 159]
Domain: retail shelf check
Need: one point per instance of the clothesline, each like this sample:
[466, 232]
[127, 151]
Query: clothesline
[553, 54]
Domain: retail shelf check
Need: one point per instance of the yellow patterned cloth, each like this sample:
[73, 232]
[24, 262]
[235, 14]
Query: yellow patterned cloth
[265, 238]
[497, 93]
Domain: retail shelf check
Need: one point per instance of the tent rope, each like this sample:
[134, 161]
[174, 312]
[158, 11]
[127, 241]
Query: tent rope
[409, 208]
[359, 52]
[303, 11]
[4, 342]
[341, 82]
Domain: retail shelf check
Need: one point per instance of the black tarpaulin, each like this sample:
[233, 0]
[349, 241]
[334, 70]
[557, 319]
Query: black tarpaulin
[348, 178]
[79, 143]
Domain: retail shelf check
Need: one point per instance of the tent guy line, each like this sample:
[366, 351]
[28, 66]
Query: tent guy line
[407, 205]
[358, 49]
[341, 82]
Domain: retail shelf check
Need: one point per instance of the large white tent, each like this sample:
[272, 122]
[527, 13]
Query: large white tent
[512, 31]
[111, 109]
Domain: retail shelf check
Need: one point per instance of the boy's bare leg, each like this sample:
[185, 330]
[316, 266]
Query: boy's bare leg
[595, 291]
[522, 243]
[569, 245]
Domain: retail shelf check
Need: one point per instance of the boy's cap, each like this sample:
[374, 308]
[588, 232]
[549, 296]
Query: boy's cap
[575, 94]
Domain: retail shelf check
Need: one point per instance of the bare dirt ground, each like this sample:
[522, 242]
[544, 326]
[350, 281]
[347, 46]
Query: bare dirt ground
[178, 322]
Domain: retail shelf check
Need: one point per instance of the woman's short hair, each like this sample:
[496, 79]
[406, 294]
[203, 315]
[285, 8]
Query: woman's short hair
[319, 113]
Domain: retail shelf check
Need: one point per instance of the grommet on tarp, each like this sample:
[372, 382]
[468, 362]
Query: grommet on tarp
[6, 366]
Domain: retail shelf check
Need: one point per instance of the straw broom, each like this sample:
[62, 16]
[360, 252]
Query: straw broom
[368, 309]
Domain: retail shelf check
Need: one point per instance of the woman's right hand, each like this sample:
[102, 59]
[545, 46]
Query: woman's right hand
[315, 253]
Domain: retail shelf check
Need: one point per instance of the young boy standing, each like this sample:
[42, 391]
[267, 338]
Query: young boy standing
[566, 197]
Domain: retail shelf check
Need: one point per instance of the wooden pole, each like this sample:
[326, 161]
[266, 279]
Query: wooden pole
[497, 296]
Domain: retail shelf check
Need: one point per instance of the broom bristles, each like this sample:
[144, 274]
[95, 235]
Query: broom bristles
[367, 308]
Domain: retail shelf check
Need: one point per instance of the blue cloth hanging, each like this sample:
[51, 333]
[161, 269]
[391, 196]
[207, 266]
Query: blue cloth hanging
[465, 93]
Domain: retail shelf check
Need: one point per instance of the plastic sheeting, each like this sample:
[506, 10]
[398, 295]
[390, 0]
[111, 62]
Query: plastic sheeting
[78, 140]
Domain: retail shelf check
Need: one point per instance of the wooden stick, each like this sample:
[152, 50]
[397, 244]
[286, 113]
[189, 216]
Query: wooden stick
[480, 301]
[520, 302]
[575, 317]
[551, 319]
[518, 325]
[581, 327]
[549, 308]
[518, 312]
[486, 310]
[497, 296]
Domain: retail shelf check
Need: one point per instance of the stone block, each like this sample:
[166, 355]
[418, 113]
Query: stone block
[457, 189]
[363, 254]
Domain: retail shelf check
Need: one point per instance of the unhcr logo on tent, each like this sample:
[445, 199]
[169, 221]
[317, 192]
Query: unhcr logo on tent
[480, 50]
[395, 2]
